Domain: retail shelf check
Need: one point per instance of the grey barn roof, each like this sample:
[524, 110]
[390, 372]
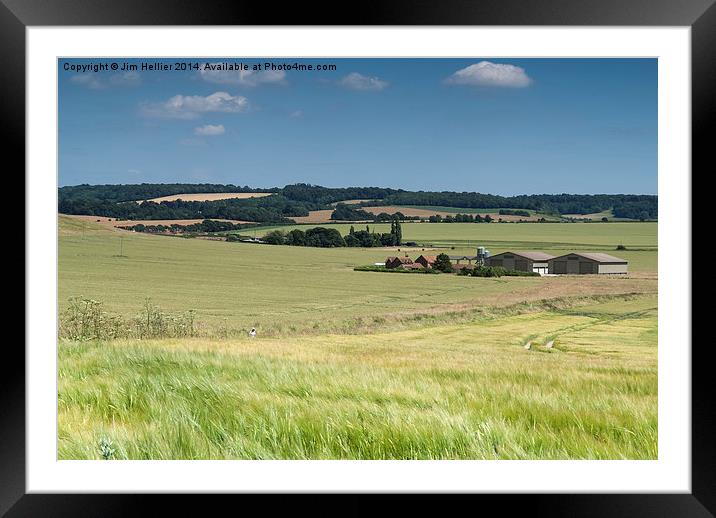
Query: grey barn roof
[596, 256]
[532, 256]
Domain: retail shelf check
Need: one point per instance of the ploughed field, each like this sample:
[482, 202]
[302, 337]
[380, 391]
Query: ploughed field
[358, 365]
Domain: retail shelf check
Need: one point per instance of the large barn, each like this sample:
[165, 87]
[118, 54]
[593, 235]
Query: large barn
[586, 263]
[426, 260]
[522, 261]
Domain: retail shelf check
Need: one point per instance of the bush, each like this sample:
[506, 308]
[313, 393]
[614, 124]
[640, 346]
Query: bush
[275, 237]
[86, 319]
[442, 263]
[498, 271]
[372, 268]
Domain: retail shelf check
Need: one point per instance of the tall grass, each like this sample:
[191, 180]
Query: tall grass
[87, 319]
[464, 391]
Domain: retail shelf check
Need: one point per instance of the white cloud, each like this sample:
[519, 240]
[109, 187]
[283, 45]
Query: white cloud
[96, 82]
[126, 79]
[88, 80]
[192, 106]
[486, 73]
[296, 114]
[242, 77]
[358, 81]
[209, 130]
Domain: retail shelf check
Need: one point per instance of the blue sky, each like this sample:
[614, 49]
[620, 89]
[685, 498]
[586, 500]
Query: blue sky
[501, 126]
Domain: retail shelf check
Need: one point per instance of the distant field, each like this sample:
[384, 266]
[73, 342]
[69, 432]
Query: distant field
[461, 210]
[324, 216]
[314, 216]
[350, 202]
[114, 222]
[426, 213]
[278, 288]
[597, 216]
[531, 235]
[209, 196]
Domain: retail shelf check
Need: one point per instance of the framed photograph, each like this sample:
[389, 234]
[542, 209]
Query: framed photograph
[426, 250]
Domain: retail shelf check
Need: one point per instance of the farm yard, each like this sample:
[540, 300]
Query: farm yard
[351, 365]
[639, 239]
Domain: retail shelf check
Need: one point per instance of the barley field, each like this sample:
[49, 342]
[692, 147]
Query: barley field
[355, 365]
[461, 391]
[606, 237]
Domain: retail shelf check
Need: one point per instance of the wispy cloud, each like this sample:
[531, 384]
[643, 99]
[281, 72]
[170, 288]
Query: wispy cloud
[209, 130]
[192, 106]
[97, 82]
[297, 114]
[356, 81]
[487, 73]
[241, 77]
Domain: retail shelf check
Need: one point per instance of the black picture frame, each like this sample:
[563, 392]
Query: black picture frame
[700, 15]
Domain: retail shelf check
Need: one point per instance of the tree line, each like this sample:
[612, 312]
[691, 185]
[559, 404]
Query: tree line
[297, 199]
[330, 237]
[269, 209]
[206, 226]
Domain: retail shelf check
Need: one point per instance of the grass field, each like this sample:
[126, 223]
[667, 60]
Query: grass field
[467, 391]
[357, 365]
[555, 238]
[114, 222]
[534, 235]
[286, 289]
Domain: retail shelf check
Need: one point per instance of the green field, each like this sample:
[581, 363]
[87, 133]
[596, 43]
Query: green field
[555, 238]
[548, 236]
[283, 288]
[468, 391]
[360, 365]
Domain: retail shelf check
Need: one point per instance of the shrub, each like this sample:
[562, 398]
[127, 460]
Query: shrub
[275, 237]
[498, 271]
[372, 268]
[442, 263]
[86, 319]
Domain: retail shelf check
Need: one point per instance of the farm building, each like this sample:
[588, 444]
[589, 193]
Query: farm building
[426, 260]
[587, 262]
[394, 262]
[457, 259]
[522, 261]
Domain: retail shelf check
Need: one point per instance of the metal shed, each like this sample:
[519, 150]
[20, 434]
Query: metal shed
[522, 261]
[587, 263]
